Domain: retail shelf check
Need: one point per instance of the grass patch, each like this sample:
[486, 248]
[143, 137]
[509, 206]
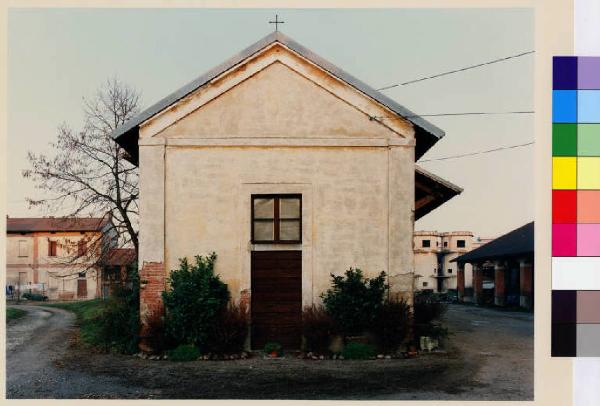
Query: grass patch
[13, 314]
[110, 325]
[354, 350]
[184, 353]
[89, 318]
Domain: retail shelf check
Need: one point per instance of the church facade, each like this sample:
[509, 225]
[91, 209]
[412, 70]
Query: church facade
[289, 169]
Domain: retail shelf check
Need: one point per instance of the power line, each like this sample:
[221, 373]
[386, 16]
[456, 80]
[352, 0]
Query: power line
[506, 58]
[478, 153]
[476, 113]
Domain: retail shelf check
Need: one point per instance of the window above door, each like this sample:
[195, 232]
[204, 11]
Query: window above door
[276, 219]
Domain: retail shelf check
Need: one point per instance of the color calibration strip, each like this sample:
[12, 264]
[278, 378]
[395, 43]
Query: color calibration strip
[576, 207]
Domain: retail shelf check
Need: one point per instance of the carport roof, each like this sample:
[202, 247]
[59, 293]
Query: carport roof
[517, 242]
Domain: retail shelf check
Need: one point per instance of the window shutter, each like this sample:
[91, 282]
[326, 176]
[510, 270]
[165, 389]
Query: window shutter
[81, 248]
[49, 248]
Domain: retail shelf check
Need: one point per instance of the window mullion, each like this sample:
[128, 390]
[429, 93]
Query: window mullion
[276, 219]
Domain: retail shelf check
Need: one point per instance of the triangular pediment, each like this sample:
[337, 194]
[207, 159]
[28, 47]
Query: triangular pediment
[277, 102]
[276, 93]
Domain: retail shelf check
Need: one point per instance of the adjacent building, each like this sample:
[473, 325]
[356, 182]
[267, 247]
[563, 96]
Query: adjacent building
[502, 270]
[56, 257]
[434, 252]
[115, 269]
[289, 169]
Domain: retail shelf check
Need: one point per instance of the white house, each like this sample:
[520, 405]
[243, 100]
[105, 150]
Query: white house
[434, 252]
[57, 257]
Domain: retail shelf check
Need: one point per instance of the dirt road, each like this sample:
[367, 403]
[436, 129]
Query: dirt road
[35, 344]
[490, 356]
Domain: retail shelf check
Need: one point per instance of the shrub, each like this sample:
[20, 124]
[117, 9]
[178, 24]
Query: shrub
[354, 350]
[230, 330]
[391, 325]
[35, 297]
[119, 320]
[317, 328]
[428, 312]
[273, 348]
[184, 353]
[353, 301]
[194, 302]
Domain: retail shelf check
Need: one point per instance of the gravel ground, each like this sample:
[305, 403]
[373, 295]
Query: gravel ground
[490, 357]
[499, 343]
[35, 345]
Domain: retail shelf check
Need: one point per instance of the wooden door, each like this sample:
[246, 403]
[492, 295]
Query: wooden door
[276, 303]
[81, 287]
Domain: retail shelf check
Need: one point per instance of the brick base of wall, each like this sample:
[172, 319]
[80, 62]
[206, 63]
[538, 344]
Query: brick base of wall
[245, 300]
[152, 284]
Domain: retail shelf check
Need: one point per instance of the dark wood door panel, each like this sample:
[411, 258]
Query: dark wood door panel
[276, 285]
[82, 288]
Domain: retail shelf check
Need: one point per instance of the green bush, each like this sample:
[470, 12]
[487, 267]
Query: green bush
[272, 347]
[428, 313]
[353, 301]
[194, 302]
[35, 297]
[120, 318]
[229, 331]
[317, 328]
[184, 353]
[354, 350]
[391, 325]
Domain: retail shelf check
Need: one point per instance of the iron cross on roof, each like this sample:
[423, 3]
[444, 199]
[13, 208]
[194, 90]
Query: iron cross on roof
[276, 22]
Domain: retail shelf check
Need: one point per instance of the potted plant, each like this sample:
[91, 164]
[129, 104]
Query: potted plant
[273, 350]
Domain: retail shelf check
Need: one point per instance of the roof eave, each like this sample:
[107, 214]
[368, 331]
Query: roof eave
[444, 191]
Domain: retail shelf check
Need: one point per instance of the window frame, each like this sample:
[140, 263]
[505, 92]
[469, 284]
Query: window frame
[52, 252]
[276, 218]
[26, 249]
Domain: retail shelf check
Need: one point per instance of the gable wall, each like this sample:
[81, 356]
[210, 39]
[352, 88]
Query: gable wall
[276, 125]
[345, 209]
[277, 102]
[276, 92]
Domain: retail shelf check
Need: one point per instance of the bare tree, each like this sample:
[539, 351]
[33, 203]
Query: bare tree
[88, 173]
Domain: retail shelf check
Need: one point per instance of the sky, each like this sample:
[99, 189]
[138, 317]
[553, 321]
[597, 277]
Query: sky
[56, 57]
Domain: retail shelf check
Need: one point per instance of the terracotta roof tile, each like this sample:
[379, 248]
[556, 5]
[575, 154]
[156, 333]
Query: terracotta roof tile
[120, 256]
[31, 224]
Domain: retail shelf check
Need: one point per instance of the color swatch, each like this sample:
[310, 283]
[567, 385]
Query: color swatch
[576, 207]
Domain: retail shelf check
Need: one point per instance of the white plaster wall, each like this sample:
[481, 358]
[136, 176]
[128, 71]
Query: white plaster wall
[345, 209]
[426, 265]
